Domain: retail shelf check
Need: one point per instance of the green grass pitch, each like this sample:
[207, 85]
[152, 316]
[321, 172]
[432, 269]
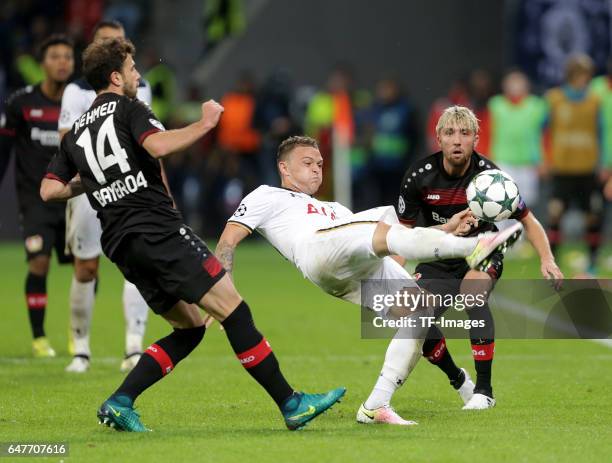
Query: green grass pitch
[554, 397]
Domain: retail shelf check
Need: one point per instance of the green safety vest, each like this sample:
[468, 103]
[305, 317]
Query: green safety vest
[516, 130]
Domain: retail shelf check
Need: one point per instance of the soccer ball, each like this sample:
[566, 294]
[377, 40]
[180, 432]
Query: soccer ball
[492, 195]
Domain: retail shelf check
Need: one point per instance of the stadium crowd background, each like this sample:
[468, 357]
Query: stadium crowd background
[385, 116]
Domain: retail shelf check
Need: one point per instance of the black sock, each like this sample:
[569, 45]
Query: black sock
[255, 353]
[435, 350]
[482, 351]
[160, 359]
[36, 299]
[483, 347]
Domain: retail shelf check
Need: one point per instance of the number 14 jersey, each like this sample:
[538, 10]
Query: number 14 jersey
[122, 181]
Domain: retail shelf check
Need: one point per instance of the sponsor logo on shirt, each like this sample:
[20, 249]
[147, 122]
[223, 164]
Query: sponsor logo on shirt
[45, 137]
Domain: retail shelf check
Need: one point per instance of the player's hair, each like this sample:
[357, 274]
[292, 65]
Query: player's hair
[54, 39]
[462, 116]
[289, 144]
[577, 64]
[101, 59]
[110, 23]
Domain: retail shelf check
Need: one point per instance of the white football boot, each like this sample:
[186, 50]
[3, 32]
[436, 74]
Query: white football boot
[490, 242]
[79, 364]
[466, 391]
[129, 362]
[479, 402]
[382, 415]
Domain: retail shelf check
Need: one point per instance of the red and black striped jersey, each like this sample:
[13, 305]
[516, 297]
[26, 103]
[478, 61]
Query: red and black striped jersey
[430, 196]
[123, 182]
[29, 124]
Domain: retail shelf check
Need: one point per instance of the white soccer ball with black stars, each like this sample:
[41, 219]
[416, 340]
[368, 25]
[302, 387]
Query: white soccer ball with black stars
[492, 195]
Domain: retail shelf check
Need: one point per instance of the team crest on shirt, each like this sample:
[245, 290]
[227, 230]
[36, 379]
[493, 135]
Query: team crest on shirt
[240, 211]
[34, 243]
[64, 117]
[401, 205]
[157, 124]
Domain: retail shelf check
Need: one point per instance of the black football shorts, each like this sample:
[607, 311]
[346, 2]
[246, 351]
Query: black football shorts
[44, 229]
[168, 268]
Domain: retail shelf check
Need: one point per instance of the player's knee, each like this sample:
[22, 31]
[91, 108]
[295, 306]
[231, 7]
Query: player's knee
[222, 299]
[85, 270]
[39, 265]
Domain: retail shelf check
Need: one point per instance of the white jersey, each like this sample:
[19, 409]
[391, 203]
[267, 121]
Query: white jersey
[78, 97]
[283, 216]
[330, 245]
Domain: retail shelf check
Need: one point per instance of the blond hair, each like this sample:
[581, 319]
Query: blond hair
[578, 64]
[462, 116]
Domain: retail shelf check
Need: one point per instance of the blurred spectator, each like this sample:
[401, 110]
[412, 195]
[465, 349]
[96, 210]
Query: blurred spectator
[602, 87]
[480, 87]
[330, 120]
[457, 95]
[574, 136]
[163, 84]
[236, 134]
[392, 135]
[274, 121]
[222, 18]
[517, 118]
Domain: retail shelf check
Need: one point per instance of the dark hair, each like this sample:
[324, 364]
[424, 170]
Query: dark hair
[111, 23]
[101, 59]
[52, 40]
[289, 144]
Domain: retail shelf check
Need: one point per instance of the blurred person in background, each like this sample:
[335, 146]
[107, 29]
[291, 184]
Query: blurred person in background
[30, 125]
[574, 127]
[392, 140]
[162, 81]
[517, 118]
[273, 119]
[237, 135]
[480, 88]
[602, 87]
[329, 119]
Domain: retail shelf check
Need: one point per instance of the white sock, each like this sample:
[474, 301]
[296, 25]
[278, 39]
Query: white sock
[425, 244]
[82, 297]
[136, 311]
[402, 356]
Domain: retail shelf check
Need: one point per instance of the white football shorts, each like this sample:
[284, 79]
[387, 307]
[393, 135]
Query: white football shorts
[83, 229]
[338, 258]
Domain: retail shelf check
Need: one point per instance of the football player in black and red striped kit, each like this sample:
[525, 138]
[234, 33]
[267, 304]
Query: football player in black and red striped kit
[432, 191]
[116, 147]
[29, 124]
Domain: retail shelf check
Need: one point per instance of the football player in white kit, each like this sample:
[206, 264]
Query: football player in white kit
[336, 250]
[83, 232]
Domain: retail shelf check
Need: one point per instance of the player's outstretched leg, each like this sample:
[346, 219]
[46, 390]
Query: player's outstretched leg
[403, 353]
[136, 312]
[427, 244]
[158, 360]
[256, 356]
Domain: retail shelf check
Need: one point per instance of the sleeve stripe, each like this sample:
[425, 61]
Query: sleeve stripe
[146, 134]
[51, 176]
[240, 224]
[7, 132]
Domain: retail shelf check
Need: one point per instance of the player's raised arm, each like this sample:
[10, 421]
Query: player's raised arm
[232, 235]
[163, 143]
[537, 237]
